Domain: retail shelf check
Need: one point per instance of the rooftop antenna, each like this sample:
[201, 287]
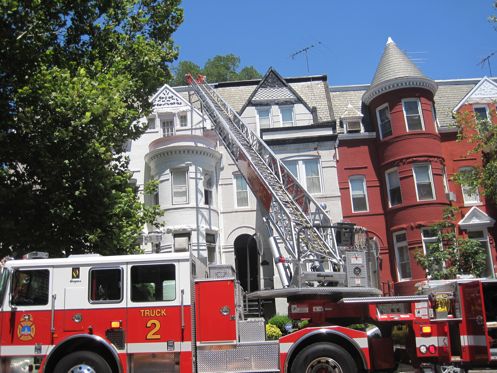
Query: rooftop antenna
[486, 60]
[304, 50]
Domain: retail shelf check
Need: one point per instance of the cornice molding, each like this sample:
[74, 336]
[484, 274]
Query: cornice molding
[398, 83]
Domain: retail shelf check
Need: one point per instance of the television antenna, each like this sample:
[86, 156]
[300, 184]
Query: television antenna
[486, 60]
[305, 51]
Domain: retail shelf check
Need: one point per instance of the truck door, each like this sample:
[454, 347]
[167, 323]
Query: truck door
[474, 338]
[27, 314]
[154, 317]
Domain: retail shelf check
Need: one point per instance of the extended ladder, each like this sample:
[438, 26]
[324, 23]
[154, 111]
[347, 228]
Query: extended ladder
[292, 213]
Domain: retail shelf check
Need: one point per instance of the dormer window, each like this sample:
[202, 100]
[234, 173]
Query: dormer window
[264, 117]
[287, 117]
[481, 112]
[352, 119]
[412, 114]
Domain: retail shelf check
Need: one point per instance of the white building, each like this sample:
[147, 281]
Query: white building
[207, 205]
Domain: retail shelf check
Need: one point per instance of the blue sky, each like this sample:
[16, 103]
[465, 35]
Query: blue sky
[446, 38]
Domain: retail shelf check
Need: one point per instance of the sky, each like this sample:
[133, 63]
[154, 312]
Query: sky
[447, 39]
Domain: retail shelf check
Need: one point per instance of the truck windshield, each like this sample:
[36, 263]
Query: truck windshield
[4, 276]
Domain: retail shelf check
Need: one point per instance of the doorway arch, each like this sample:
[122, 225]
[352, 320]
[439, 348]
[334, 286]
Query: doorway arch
[247, 262]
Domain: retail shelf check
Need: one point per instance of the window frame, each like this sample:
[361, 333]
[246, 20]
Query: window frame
[388, 172]
[430, 176]
[187, 186]
[481, 106]
[484, 239]
[380, 123]
[292, 108]
[467, 202]
[420, 113]
[180, 116]
[258, 110]
[13, 285]
[397, 246]
[302, 173]
[165, 129]
[90, 271]
[365, 190]
[235, 190]
[131, 283]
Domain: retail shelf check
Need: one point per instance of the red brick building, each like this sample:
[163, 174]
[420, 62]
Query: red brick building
[397, 153]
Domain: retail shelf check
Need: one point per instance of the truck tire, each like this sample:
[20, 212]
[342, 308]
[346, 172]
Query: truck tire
[82, 362]
[324, 358]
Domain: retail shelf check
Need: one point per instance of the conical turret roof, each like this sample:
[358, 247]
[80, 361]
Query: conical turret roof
[395, 71]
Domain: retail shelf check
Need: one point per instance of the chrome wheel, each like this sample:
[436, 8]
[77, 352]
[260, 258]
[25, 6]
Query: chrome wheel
[82, 368]
[324, 365]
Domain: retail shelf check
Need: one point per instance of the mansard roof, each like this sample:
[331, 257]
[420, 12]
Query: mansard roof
[396, 71]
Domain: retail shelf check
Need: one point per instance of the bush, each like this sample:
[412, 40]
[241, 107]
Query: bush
[282, 322]
[273, 332]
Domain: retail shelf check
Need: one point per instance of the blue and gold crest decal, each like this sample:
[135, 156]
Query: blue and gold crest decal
[26, 329]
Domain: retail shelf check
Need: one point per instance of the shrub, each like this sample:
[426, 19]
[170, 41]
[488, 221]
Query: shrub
[282, 322]
[273, 332]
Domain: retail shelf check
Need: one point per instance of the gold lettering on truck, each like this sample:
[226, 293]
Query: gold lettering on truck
[153, 313]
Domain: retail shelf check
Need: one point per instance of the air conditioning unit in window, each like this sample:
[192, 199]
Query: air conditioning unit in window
[451, 196]
[354, 126]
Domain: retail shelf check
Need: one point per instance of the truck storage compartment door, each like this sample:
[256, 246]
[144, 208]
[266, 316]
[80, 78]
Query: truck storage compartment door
[474, 337]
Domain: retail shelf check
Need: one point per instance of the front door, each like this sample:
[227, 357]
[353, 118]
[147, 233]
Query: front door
[247, 262]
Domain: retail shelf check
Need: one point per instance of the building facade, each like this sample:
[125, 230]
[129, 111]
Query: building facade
[380, 155]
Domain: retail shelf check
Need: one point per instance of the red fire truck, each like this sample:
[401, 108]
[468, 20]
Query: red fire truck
[170, 313]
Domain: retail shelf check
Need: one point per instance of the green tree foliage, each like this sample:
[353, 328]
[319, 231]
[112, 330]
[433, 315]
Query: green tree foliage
[451, 255]
[217, 69]
[482, 135]
[74, 79]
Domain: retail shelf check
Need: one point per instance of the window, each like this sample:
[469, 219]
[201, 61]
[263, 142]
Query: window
[384, 124]
[445, 180]
[264, 116]
[183, 120]
[470, 196]
[30, 287]
[402, 255]
[393, 187]
[481, 236]
[167, 127]
[208, 186]
[424, 182]
[105, 285]
[481, 112]
[430, 237]
[153, 283]
[412, 114]
[151, 123]
[180, 186]
[207, 197]
[307, 172]
[241, 191]
[210, 241]
[287, 119]
[434, 116]
[358, 193]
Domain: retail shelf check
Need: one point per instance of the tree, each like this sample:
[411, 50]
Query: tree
[183, 68]
[74, 79]
[216, 69]
[481, 133]
[451, 255]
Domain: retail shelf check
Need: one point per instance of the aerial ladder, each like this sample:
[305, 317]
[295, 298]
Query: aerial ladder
[292, 216]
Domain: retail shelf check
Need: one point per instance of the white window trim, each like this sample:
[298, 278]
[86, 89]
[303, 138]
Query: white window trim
[477, 192]
[301, 175]
[270, 117]
[182, 114]
[430, 174]
[420, 113]
[346, 124]
[479, 106]
[187, 186]
[397, 256]
[387, 172]
[434, 116]
[235, 190]
[488, 246]
[425, 240]
[363, 179]
[162, 128]
[281, 115]
[379, 120]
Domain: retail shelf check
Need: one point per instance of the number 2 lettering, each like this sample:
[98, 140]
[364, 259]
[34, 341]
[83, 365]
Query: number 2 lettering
[155, 325]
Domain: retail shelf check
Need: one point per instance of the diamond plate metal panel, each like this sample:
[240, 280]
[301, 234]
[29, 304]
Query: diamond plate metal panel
[252, 330]
[242, 357]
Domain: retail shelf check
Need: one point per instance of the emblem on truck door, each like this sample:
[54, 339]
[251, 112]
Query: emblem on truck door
[26, 328]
